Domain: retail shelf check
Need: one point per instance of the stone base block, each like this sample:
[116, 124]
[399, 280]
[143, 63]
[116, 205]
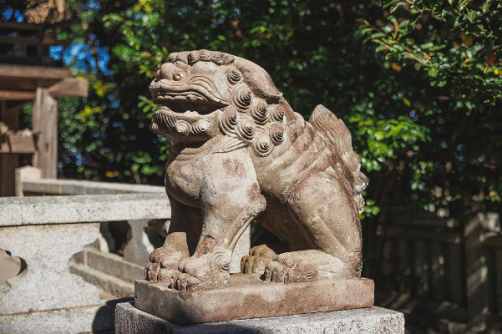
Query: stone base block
[374, 320]
[246, 297]
[84, 319]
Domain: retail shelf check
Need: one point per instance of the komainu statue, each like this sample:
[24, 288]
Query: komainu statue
[239, 152]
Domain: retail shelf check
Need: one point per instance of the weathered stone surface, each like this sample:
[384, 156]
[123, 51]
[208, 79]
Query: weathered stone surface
[114, 265]
[110, 284]
[375, 320]
[81, 187]
[239, 152]
[24, 173]
[47, 283]
[138, 247]
[246, 296]
[75, 209]
[88, 319]
[240, 250]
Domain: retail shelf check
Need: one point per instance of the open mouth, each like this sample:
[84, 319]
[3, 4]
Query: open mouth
[198, 94]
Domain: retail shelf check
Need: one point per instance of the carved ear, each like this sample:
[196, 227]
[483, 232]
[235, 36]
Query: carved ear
[258, 80]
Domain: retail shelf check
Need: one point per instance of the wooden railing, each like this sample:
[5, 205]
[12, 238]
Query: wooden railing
[452, 273]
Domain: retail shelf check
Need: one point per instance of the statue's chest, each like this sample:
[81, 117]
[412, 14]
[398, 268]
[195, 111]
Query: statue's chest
[184, 180]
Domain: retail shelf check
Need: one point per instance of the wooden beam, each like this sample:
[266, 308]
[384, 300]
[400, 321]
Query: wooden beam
[63, 24]
[52, 42]
[45, 122]
[20, 26]
[35, 27]
[70, 87]
[14, 105]
[46, 41]
[66, 87]
[8, 162]
[21, 40]
[16, 95]
[20, 144]
[33, 72]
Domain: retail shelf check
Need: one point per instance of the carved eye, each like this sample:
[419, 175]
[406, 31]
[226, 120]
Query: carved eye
[178, 76]
[234, 77]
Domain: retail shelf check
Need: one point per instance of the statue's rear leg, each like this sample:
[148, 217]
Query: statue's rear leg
[328, 238]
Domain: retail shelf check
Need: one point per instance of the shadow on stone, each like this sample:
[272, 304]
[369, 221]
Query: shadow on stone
[104, 322]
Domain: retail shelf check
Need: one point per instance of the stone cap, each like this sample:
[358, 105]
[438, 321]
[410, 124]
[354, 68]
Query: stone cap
[15, 211]
[82, 187]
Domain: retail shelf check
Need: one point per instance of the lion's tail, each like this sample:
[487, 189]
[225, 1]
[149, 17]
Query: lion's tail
[339, 136]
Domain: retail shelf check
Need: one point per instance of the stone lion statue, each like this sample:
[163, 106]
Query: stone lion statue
[239, 152]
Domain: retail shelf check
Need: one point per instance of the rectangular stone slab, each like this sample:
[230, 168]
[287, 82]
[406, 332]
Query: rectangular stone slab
[246, 296]
[374, 320]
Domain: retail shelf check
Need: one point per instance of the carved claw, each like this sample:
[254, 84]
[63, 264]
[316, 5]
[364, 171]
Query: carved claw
[152, 271]
[184, 282]
[158, 255]
[204, 272]
[156, 271]
[283, 270]
[258, 257]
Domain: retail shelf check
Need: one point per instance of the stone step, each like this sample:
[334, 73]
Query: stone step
[111, 284]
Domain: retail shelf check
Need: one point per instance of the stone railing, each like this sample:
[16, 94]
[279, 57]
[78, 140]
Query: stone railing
[53, 221]
[45, 232]
[138, 247]
[80, 187]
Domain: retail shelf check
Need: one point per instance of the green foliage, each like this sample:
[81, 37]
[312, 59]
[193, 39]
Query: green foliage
[417, 83]
[449, 48]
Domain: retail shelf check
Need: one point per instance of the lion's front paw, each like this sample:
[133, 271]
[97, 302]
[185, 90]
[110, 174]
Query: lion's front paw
[258, 257]
[287, 268]
[199, 273]
[184, 282]
[156, 270]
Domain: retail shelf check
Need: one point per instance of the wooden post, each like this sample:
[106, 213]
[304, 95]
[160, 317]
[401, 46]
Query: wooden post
[8, 161]
[476, 270]
[45, 122]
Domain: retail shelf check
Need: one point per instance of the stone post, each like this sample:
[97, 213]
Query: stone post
[46, 284]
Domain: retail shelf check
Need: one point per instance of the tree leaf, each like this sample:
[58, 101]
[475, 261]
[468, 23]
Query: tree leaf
[471, 16]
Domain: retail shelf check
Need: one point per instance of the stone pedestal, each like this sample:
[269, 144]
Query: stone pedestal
[246, 297]
[374, 320]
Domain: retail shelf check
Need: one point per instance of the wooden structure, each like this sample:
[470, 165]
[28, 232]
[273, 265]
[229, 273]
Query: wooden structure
[443, 272]
[28, 44]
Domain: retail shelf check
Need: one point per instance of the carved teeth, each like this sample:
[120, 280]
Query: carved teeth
[154, 127]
